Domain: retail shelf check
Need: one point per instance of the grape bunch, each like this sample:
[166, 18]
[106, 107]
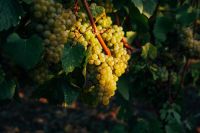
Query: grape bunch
[53, 22]
[107, 4]
[40, 74]
[191, 42]
[104, 69]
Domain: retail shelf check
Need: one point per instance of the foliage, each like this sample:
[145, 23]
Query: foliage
[159, 93]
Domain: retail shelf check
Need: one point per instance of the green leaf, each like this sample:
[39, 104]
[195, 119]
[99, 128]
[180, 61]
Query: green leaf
[139, 5]
[119, 4]
[130, 35]
[7, 90]
[57, 90]
[146, 7]
[72, 57]
[149, 51]
[10, 12]
[123, 87]
[70, 95]
[173, 127]
[142, 126]
[155, 126]
[24, 52]
[88, 53]
[139, 20]
[185, 16]
[177, 117]
[97, 11]
[149, 7]
[163, 114]
[162, 26]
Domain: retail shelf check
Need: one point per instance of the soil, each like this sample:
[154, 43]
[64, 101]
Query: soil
[36, 117]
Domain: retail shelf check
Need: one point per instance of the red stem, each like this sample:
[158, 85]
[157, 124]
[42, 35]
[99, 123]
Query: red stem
[126, 45]
[182, 76]
[76, 7]
[101, 41]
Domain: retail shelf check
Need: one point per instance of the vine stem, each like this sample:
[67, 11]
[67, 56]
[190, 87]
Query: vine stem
[101, 41]
[126, 45]
[185, 68]
[76, 7]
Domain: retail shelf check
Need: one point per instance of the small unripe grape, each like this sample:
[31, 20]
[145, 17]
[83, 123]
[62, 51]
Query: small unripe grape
[39, 28]
[47, 34]
[38, 14]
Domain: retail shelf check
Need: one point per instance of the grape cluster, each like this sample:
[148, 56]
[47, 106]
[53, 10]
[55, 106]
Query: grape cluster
[108, 6]
[40, 74]
[190, 42]
[53, 22]
[107, 68]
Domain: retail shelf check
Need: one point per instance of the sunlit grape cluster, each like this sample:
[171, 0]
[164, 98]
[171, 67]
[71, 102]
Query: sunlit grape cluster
[107, 68]
[40, 74]
[53, 22]
[190, 42]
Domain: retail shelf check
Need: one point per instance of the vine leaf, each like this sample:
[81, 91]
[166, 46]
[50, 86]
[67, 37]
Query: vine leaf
[70, 95]
[149, 7]
[139, 5]
[149, 51]
[139, 19]
[24, 52]
[57, 90]
[162, 26]
[130, 36]
[10, 12]
[145, 7]
[72, 57]
[173, 127]
[97, 11]
[123, 87]
[87, 55]
[7, 90]
[184, 16]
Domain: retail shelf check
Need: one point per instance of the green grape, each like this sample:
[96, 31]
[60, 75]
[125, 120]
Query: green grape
[53, 23]
[105, 69]
[40, 74]
[190, 42]
[107, 4]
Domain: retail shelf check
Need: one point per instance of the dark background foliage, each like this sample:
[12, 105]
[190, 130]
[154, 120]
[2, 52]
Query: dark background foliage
[159, 93]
